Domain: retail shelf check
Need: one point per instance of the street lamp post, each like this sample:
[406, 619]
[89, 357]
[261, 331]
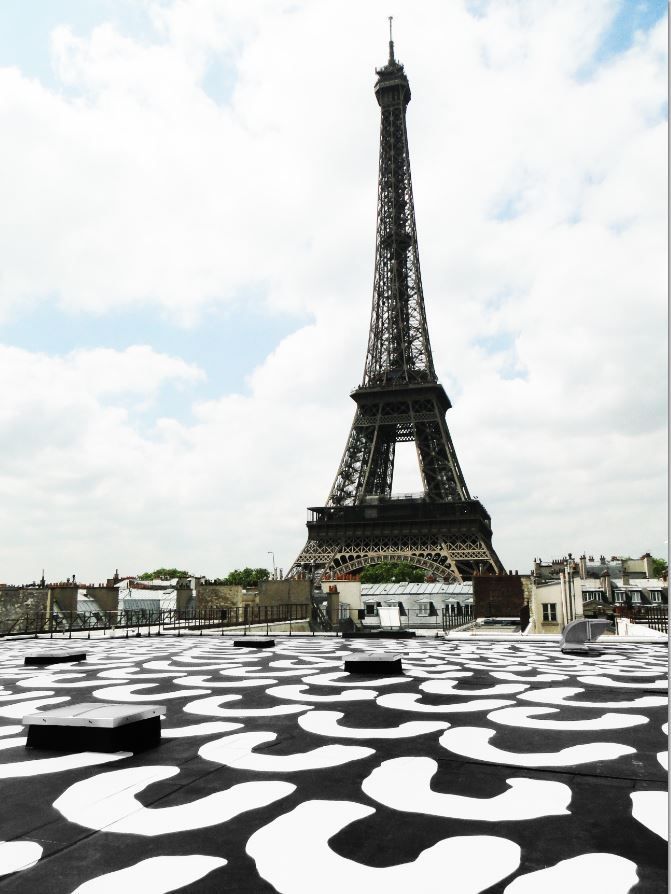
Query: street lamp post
[310, 568]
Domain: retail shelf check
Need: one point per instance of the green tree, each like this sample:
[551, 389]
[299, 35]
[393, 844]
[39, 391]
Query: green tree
[163, 574]
[390, 572]
[660, 567]
[247, 577]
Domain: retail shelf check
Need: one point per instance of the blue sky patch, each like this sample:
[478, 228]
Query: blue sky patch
[226, 344]
[508, 208]
[25, 29]
[497, 343]
[219, 80]
[632, 16]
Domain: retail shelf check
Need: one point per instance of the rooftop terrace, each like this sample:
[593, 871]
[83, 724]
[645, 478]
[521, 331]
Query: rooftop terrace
[487, 766]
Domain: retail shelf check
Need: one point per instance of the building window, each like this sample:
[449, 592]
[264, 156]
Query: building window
[619, 596]
[370, 608]
[549, 611]
[635, 595]
[655, 596]
[423, 608]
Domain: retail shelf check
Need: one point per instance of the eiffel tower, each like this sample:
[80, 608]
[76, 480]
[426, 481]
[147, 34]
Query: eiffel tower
[442, 530]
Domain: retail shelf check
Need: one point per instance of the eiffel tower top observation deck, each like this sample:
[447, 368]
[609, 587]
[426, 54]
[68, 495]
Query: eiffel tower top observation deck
[399, 351]
[400, 399]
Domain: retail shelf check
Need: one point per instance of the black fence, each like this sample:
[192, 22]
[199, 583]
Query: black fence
[654, 616]
[154, 622]
[413, 619]
[451, 620]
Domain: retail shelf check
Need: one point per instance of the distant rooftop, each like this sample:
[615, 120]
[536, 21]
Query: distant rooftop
[418, 589]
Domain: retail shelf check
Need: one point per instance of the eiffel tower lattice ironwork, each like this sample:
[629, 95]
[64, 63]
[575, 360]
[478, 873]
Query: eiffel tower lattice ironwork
[442, 530]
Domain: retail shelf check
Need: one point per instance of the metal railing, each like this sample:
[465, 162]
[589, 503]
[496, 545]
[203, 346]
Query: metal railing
[168, 620]
[656, 617]
[411, 619]
[453, 620]
[320, 622]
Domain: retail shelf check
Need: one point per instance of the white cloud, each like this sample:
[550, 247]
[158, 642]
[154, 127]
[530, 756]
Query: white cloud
[539, 181]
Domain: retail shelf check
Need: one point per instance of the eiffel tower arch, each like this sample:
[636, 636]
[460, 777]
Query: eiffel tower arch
[443, 529]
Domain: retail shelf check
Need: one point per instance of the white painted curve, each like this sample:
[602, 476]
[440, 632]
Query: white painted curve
[107, 802]
[314, 822]
[404, 783]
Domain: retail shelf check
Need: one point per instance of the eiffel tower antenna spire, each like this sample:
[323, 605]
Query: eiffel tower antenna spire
[442, 529]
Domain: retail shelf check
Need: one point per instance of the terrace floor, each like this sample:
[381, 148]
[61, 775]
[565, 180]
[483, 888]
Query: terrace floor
[488, 766]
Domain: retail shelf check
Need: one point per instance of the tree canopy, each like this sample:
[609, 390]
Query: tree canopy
[163, 574]
[390, 572]
[659, 567]
[247, 577]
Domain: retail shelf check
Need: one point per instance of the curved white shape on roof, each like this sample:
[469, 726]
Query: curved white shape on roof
[561, 694]
[107, 801]
[651, 809]
[614, 874]
[156, 875]
[325, 723]
[473, 742]
[42, 766]
[236, 751]
[525, 717]
[404, 783]
[18, 855]
[407, 701]
[475, 862]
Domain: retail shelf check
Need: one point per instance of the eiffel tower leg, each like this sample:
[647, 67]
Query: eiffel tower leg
[356, 458]
[473, 555]
[315, 558]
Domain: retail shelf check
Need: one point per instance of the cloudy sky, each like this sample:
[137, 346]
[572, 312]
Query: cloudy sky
[188, 194]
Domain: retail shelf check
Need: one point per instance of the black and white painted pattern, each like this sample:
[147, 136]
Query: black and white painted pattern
[485, 767]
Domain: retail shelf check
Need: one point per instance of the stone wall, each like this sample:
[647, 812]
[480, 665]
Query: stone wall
[26, 602]
[282, 592]
[16, 602]
[213, 596]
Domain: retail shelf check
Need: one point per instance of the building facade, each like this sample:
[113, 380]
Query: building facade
[566, 589]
